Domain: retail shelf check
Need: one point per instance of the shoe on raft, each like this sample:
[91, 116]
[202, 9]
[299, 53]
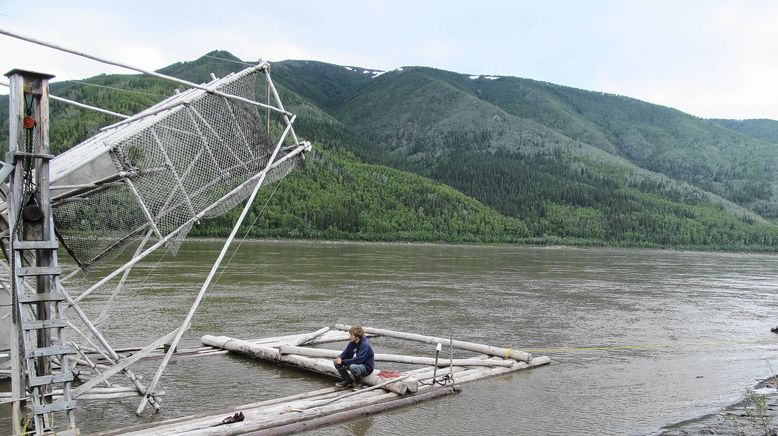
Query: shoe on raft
[359, 387]
[344, 384]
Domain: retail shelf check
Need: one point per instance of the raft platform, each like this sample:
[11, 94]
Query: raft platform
[384, 389]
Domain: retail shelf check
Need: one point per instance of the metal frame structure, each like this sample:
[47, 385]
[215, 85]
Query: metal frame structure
[88, 168]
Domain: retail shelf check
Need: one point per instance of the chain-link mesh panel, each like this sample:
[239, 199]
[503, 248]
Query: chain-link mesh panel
[187, 162]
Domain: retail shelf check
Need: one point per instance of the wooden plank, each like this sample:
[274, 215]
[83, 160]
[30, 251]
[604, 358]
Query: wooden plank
[36, 245]
[23, 154]
[57, 406]
[39, 271]
[44, 324]
[49, 379]
[41, 298]
[51, 351]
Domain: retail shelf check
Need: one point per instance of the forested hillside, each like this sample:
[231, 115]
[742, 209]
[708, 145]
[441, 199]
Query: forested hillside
[482, 159]
[762, 129]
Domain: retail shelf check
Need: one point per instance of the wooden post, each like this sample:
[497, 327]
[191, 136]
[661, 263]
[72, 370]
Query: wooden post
[15, 112]
[28, 121]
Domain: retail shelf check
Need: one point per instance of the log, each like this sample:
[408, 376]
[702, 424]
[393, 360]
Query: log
[309, 337]
[266, 419]
[506, 353]
[326, 401]
[357, 412]
[491, 372]
[464, 375]
[326, 337]
[321, 366]
[295, 411]
[418, 360]
[212, 416]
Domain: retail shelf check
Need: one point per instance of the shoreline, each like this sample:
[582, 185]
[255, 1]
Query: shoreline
[549, 245]
[742, 417]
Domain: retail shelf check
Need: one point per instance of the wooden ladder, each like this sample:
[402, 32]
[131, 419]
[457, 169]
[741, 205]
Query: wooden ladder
[40, 356]
[41, 320]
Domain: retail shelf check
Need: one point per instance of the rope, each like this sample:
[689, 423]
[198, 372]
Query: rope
[442, 380]
[104, 313]
[115, 88]
[262, 211]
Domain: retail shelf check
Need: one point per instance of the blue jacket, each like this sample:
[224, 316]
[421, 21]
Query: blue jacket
[361, 353]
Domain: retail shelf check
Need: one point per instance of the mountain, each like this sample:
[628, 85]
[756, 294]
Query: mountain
[424, 154]
[764, 129]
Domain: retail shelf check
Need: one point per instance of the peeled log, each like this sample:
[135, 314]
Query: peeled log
[505, 353]
[358, 412]
[398, 358]
[311, 336]
[321, 366]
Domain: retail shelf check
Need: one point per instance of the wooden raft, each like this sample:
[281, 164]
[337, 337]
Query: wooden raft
[333, 405]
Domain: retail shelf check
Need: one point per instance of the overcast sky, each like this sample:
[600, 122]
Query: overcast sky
[710, 58]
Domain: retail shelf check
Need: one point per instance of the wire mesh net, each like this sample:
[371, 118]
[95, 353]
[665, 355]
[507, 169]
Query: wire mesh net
[193, 159]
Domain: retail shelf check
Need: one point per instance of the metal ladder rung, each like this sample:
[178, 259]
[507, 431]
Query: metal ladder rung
[39, 271]
[45, 324]
[49, 379]
[41, 298]
[56, 406]
[50, 351]
[36, 245]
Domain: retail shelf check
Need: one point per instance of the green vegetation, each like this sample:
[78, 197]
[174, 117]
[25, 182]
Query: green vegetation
[420, 154]
[762, 129]
[333, 196]
[757, 411]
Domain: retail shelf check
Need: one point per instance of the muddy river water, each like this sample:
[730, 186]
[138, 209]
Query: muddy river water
[639, 339]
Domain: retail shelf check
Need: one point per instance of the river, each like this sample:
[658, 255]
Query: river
[639, 339]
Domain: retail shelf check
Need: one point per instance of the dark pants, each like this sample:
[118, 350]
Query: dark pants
[357, 370]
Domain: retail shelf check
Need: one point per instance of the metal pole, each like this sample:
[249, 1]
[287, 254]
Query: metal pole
[435, 369]
[187, 321]
[280, 105]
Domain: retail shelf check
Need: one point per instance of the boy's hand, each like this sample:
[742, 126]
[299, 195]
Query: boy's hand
[337, 360]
